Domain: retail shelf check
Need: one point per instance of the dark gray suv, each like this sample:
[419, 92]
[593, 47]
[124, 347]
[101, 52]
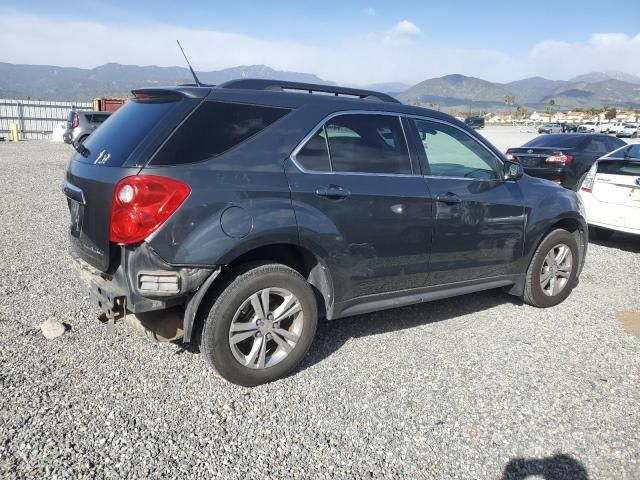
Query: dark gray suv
[250, 209]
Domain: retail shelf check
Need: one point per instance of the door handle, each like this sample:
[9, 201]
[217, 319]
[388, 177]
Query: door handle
[333, 192]
[448, 198]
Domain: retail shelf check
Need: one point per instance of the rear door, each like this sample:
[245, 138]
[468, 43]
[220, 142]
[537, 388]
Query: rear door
[479, 219]
[360, 200]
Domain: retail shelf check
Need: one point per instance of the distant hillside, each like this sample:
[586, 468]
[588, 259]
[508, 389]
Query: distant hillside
[607, 92]
[67, 83]
[451, 92]
[469, 93]
[594, 77]
[455, 91]
[532, 90]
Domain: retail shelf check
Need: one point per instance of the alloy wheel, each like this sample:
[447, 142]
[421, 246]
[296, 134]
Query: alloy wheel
[266, 328]
[556, 270]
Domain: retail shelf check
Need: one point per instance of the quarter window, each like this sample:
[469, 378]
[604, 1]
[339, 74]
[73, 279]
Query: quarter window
[214, 128]
[368, 144]
[314, 154]
[452, 153]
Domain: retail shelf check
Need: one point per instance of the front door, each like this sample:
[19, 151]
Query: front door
[479, 218]
[362, 203]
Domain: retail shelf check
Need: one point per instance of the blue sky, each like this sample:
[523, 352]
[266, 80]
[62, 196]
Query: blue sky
[354, 42]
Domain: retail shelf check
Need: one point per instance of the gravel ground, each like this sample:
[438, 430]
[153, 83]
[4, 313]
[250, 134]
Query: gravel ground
[475, 387]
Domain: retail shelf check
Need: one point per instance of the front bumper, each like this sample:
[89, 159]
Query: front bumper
[127, 288]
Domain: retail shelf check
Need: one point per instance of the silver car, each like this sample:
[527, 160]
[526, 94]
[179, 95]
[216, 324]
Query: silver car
[81, 124]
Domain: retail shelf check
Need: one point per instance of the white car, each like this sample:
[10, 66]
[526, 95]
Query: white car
[616, 127]
[629, 130]
[610, 193]
[589, 127]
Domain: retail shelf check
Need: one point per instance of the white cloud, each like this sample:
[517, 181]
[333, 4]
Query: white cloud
[369, 12]
[399, 54]
[603, 51]
[405, 28]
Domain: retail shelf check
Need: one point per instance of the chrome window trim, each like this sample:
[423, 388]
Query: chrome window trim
[321, 125]
[482, 143]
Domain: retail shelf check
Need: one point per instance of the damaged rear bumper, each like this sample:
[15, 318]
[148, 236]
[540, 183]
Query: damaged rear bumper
[141, 282]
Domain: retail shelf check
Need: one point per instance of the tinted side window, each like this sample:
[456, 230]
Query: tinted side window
[368, 144]
[213, 129]
[314, 155]
[452, 153]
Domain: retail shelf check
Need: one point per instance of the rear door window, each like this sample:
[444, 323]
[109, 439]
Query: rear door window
[214, 128]
[368, 144]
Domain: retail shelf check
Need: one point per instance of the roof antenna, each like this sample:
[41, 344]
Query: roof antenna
[195, 77]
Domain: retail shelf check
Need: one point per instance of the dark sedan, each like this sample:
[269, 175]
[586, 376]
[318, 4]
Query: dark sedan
[563, 158]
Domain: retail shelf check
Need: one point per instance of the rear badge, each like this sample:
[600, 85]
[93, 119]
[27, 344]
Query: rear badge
[102, 158]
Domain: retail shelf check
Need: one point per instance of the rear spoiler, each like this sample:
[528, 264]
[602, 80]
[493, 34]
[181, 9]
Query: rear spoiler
[176, 92]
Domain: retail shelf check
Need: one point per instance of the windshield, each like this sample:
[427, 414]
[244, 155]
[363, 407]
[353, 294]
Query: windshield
[555, 141]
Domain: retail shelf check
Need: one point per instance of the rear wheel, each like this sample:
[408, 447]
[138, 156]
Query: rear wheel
[261, 325]
[598, 233]
[553, 270]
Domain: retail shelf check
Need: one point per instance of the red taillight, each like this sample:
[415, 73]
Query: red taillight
[559, 158]
[141, 204]
[76, 120]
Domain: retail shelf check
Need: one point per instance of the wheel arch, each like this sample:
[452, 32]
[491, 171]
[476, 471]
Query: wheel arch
[569, 222]
[301, 259]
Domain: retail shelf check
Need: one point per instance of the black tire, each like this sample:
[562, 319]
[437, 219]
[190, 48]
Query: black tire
[533, 292]
[83, 138]
[598, 233]
[215, 334]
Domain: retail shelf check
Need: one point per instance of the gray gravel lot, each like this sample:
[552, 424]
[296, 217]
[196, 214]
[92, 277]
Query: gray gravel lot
[473, 387]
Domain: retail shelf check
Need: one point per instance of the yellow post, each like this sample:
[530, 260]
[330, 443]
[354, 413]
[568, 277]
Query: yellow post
[13, 132]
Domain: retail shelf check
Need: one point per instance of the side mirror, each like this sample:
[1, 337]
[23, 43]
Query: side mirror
[512, 171]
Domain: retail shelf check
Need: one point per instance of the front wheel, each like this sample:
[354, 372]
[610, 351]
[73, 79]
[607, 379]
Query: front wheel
[261, 325]
[553, 270]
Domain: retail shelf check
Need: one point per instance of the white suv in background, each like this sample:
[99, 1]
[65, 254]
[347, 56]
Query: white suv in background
[611, 193]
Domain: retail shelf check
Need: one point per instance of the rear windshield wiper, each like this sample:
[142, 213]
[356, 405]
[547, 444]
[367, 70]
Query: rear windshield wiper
[81, 149]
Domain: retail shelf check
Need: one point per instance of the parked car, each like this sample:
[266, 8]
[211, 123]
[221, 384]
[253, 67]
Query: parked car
[248, 210]
[629, 130]
[551, 128]
[615, 127]
[604, 127]
[611, 193]
[475, 122]
[81, 124]
[569, 127]
[563, 158]
[589, 127]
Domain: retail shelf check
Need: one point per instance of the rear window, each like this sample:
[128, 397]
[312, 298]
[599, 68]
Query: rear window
[619, 167]
[112, 143]
[214, 128]
[558, 141]
[96, 117]
[630, 152]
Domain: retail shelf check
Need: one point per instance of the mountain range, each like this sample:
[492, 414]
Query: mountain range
[450, 92]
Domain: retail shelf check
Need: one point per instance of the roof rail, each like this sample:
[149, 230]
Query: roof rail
[283, 85]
